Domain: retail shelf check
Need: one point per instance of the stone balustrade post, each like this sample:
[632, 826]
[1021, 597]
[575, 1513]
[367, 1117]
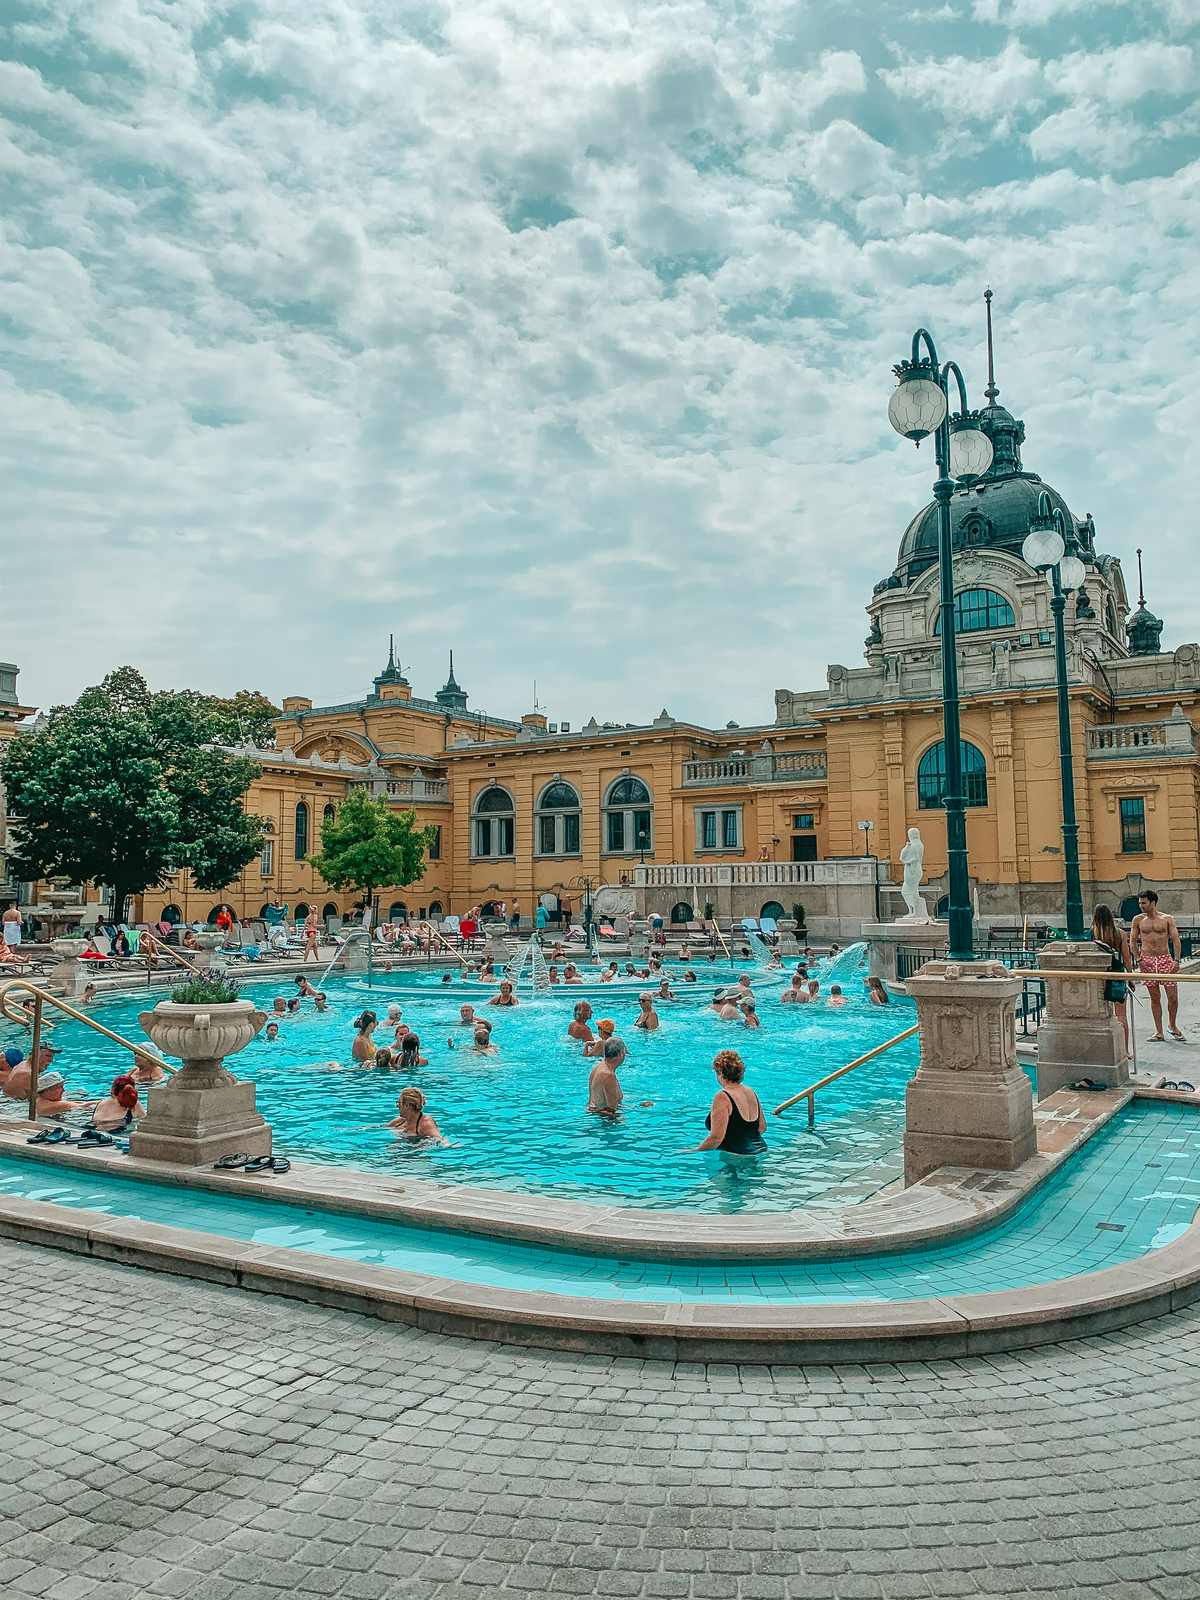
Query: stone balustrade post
[970, 1105]
[1079, 1037]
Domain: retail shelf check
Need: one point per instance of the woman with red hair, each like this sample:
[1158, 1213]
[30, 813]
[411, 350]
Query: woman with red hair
[121, 1109]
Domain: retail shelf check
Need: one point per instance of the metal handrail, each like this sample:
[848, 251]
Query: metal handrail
[1107, 975]
[165, 949]
[809, 1094]
[721, 937]
[441, 938]
[43, 997]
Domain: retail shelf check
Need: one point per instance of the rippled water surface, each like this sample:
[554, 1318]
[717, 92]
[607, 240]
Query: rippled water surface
[517, 1120]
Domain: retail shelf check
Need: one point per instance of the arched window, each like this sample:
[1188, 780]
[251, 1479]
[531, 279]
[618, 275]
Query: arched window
[1110, 618]
[301, 830]
[302, 910]
[397, 911]
[329, 909]
[494, 824]
[628, 818]
[931, 777]
[682, 912]
[211, 919]
[976, 609]
[329, 812]
[558, 821]
[171, 914]
[772, 909]
[435, 908]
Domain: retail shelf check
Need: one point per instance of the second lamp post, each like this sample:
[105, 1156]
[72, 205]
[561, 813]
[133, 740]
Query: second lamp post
[1051, 547]
[920, 406]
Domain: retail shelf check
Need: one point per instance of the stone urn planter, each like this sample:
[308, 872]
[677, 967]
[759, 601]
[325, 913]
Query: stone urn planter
[67, 977]
[67, 949]
[204, 1111]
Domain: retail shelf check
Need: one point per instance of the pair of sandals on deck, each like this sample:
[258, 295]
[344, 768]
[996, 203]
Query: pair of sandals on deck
[1157, 1038]
[241, 1162]
[89, 1139]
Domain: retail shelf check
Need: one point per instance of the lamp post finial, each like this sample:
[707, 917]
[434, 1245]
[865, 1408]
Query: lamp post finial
[1141, 585]
[991, 391]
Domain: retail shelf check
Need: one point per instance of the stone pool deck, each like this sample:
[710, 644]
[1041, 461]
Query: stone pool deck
[950, 1203]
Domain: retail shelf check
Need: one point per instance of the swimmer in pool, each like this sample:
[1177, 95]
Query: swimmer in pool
[750, 1013]
[482, 1041]
[795, 994]
[506, 997]
[414, 1122]
[647, 1017]
[605, 1029]
[578, 1028]
[836, 998]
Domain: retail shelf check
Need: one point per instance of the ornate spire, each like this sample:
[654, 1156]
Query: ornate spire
[1002, 428]
[391, 673]
[451, 695]
[1144, 629]
[991, 391]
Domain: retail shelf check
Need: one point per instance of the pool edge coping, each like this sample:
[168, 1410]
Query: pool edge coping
[947, 1203]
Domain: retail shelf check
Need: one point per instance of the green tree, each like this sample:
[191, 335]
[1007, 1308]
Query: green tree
[126, 786]
[367, 846]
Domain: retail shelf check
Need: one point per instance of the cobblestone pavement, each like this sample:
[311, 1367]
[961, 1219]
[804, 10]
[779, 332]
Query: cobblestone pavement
[161, 1437]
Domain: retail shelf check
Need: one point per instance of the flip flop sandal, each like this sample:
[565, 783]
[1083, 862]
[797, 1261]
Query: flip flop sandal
[93, 1137]
[1185, 1086]
[50, 1136]
[270, 1164]
[1090, 1085]
[232, 1162]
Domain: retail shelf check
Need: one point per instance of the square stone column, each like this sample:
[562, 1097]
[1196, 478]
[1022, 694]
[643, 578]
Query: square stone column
[886, 939]
[1079, 1036]
[970, 1105]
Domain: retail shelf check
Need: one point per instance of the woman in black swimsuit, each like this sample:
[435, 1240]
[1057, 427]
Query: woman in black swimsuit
[736, 1121]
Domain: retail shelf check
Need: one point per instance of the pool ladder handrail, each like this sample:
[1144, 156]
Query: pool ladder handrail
[160, 948]
[721, 937]
[42, 998]
[809, 1094]
[435, 933]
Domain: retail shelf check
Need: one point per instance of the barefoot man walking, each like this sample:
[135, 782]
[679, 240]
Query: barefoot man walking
[1157, 947]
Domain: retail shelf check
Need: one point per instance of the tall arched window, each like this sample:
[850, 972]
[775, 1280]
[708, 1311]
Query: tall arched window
[301, 830]
[493, 826]
[931, 776]
[628, 818]
[558, 820]
[397, 911]
[329, 812]
[976, 609]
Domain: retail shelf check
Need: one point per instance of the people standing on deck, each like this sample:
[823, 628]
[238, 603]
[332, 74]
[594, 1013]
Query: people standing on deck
[1116, 991]
[736, 1120]
[311, 931]
[1156, 946]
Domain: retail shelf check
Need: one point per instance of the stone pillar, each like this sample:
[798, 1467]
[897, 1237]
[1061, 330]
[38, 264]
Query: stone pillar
[970, 1105]
[355, 955]
[886, 939]
[1079, 1036]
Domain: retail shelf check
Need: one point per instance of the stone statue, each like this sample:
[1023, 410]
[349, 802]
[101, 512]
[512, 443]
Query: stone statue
[912, 859]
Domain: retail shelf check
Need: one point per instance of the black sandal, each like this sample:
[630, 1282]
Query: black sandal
[232, 1162]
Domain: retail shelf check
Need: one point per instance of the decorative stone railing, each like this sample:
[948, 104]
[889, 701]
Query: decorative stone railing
[437, 789]
[758, 874]
[1124, 741]
[764, 766]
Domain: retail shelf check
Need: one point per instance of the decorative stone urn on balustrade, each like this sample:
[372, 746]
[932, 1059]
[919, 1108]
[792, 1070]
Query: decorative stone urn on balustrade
[204, 1111]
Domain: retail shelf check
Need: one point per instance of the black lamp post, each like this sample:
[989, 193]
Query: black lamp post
[641, 839]
[920, 406]
[1051, 547]
[585, 883]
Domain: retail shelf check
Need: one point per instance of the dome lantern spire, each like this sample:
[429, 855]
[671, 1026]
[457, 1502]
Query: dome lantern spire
[991, 391]
[1144, 629]
[451, 696]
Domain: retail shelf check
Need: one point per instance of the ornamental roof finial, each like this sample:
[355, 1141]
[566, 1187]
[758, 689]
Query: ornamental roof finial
[1141, 585]
[991, 391]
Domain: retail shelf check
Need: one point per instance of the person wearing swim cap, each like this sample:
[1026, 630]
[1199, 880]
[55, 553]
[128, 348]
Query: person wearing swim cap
[605, 1029]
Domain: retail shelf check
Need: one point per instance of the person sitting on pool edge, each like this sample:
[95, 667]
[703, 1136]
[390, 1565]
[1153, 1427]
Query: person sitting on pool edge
[736, 1119]
[414, 1122]
[578, 1028]
[605, 1029]
[604, 1092]
[506, 997]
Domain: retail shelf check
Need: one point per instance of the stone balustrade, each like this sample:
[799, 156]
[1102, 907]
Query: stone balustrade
[764, 766]
[759, 874]
[1123, 741]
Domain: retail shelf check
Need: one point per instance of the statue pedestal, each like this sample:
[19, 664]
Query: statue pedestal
[1079, 1037]
[885, 940]
[970, 1105]
[355, 956]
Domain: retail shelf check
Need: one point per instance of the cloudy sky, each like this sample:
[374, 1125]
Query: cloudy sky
[561, 333]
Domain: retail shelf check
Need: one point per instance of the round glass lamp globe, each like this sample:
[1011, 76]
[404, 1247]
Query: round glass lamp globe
[916, 408]
[1043, 547]
[1071, 573]
[970, 453]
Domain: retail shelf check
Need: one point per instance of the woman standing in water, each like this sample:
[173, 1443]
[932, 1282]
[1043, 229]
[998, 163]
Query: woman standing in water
[363, 1048]
[736, 1119]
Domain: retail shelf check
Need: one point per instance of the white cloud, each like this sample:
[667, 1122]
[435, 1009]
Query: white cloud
[1123, 75]
[964, 89]
[1086, 131]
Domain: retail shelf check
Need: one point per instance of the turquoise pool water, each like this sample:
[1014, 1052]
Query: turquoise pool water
[517, 1120]
[1133, 1188]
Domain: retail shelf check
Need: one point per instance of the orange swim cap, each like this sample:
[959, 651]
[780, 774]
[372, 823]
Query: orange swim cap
[606, 1026]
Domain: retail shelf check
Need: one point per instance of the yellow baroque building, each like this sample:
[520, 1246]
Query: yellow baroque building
[810, 809]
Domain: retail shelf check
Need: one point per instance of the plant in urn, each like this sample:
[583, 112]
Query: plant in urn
[204, 1111]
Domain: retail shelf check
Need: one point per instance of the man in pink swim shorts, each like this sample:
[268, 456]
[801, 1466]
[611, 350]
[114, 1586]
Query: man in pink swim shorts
[1156, 946]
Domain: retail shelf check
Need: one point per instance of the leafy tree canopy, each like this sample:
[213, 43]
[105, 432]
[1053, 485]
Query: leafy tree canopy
[126, 786]
[369, 846]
